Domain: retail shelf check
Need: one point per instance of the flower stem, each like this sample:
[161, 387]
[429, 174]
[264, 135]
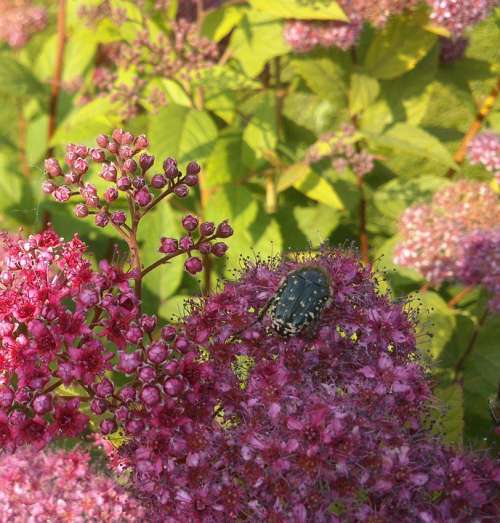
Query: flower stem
[475, 127]
[58, 72]
[459, 296]
[470, 347]
[159, 262]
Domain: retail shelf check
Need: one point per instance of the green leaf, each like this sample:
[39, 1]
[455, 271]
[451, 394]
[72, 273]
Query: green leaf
[220, 22]
[362, 93]
[173, 307]
[163, 281]
[326, 74]
[398, 47]
[261, 133]
[450, 416]
[17, 81]
[317, 222]
[481, 373]
[320, 116]
[293, 174]
[315, 10]
[84, 123]
[403, 139]
[182, 132]
[435, 319]
[393, 197]
[318, 189]
[250, 42]
[225, 162]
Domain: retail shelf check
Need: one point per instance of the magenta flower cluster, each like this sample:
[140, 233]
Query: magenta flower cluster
[236, 422]
[484, 150]
[455, 237]
[20, 20]
[344, 151]
[60, 487]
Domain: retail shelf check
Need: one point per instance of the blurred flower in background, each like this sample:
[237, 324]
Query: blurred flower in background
[60, 486]
[20, 20]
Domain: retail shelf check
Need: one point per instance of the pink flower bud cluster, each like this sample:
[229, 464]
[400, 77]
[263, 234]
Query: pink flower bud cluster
[484, 150]
[125, 166]
[206, 233]
[458, 15]
[345, 152]
[20, 20]
[452, 49]
[182, 53]
[94, 13]
[438, 237]
[230, 421]
[60, 486]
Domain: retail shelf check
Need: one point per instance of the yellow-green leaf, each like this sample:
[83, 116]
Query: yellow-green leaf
[312, 10]
[318, 189]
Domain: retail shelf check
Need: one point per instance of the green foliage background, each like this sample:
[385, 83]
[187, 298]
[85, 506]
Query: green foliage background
[249, 121]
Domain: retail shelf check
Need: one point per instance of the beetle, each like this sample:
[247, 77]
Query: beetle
[299, 301]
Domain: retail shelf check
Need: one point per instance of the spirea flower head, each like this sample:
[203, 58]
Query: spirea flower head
[60, 486]
[20, 20]
[54, 313]
[237, 422]
[458, 15]
[484, 150]
[435, 236]
[452, 49]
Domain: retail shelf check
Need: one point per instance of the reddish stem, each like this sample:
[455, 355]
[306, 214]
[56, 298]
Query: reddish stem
[58, 72]
[459, 296]
[474, 128]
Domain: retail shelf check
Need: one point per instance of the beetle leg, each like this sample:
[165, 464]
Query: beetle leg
[260, 317]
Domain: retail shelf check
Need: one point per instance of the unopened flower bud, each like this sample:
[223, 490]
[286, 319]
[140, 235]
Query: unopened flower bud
[143, 197]
[102, 140]
[129, 166]
[205, 247]
[108, 172]
[97, 155]
[52, 167]
[141, 142]
[146, 161]
[62, 193]
[190, 222]
[168, 245]
[219, 249]
[124, 183]
[181, 190]
[125, 152]
[6, 397]
[118, 217]
[107, 426]
[186, 243]
[113, 147]
[193, 265]
[207, 229]
[134, 426]
[48, 187]
[224, 230]
[191, 180]
[81, 210]
[168, 333]
[99, 406]
[157, 353]
[158, 181]
[170, 168]
[148, 323]
[193, 168]
[127, 393]
[147, 374]
[117, 135]
[104, 388]
[110, 194]
[173, 386]
[139, 182]
[101, 219]
[42, 404]
[81, 150]
[128, 363]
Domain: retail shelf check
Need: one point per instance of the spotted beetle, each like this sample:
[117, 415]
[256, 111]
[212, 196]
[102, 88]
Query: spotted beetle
[299, 301]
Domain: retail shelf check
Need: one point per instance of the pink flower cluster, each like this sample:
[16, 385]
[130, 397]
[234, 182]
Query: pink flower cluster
[236, 422]
[484, 150]
[60, 487]
[451, 49]
[458, 15]
[345, 152]
[55, 312]
[20, 20]
[439, 238]
[304, 35]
